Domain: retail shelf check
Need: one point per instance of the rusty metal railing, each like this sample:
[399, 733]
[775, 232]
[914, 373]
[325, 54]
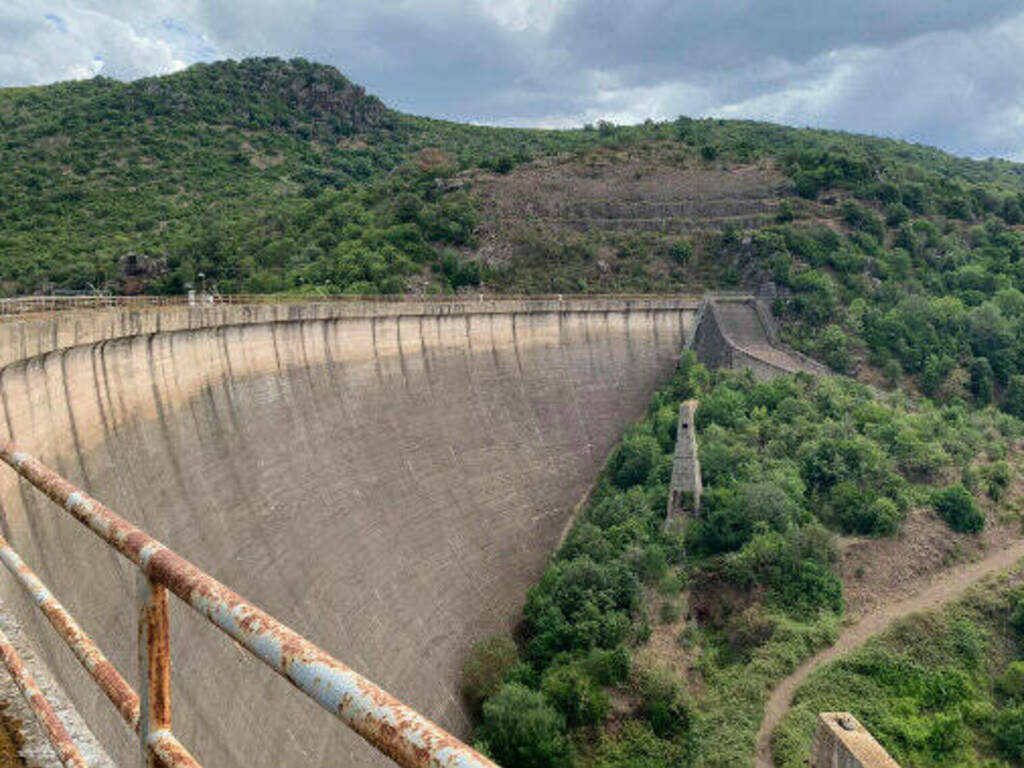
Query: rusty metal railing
[386, 723]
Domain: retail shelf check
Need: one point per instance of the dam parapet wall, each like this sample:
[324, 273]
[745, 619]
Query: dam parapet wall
[25, 336]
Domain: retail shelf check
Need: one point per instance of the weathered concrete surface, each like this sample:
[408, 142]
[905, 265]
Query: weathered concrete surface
[738, 332]
[685, 486]
[386, 479]
[35, 749]
[840, 741]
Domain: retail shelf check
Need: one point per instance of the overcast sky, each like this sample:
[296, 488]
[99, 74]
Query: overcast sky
[944, 72]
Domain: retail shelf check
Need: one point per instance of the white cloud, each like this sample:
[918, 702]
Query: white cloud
[63, 39]
[521, 15]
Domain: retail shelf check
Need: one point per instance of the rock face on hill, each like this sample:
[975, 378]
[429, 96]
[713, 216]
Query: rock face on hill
[261, 93]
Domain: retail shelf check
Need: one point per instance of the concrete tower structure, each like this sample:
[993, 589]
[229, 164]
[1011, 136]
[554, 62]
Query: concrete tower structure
[685, 487]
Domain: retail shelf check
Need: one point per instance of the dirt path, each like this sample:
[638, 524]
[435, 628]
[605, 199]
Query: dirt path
[944, 588]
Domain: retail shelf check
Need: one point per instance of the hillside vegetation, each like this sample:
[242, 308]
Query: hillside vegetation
[270, 175]
[642, 646]
[939, 689]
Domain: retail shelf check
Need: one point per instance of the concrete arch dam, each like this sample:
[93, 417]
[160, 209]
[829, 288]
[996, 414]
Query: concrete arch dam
[388, 479]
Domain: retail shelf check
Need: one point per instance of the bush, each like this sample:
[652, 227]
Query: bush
[834, 351]
[665, 705]
[1011, 683]
[885, 517]
[807, 185]
[669, 612]
[633, 461]
[682, 250]
[958, 508]
[608, 667]
[637, 746]
[814, 588]
[521, 730]
[1009, 733]
[485, 668]
[896, 214]
[997, 479]
[575, 695]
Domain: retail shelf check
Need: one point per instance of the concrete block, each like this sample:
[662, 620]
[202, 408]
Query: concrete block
[842, 742]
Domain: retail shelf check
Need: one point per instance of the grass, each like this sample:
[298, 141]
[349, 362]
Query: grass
[929, 689]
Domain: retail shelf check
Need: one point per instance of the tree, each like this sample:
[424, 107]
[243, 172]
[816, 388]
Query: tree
[834, 350]
[634, 459]
[521, 729]
[576, 696]
[485, 668]
[957, 507]
[1013, 398]
[982, 380]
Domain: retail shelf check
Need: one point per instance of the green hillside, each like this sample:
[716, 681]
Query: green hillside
[269, 175]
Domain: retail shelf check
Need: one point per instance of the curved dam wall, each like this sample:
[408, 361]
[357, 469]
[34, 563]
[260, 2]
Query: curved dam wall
[386, 479]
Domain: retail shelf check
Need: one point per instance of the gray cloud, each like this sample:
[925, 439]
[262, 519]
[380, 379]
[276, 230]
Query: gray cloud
[942, 71]
[697, 36]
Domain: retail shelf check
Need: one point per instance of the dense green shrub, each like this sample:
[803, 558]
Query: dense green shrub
[1009, 733]
[485, 668]
[575, 694]
[1011, 683]
[520, 729]
[637, 746]
[936, 689]
[634, 459]
[958, 508]
[666, 705]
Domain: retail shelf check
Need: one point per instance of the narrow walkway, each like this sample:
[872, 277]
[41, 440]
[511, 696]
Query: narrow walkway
[945, 588]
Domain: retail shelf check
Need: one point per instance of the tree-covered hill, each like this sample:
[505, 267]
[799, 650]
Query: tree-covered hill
[206, 169]
[271, 175]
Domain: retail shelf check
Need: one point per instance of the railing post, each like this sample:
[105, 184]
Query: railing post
[154, 665]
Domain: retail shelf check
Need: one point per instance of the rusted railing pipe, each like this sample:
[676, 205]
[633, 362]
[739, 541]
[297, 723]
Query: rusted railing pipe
[114, 686]
[154, 664]
[56, 733]
[168, 751]
[395, 729]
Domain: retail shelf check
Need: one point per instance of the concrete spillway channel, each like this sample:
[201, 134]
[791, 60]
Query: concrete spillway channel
[387, 479]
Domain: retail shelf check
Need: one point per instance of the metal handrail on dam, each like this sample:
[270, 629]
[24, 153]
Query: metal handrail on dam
[386, 723]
